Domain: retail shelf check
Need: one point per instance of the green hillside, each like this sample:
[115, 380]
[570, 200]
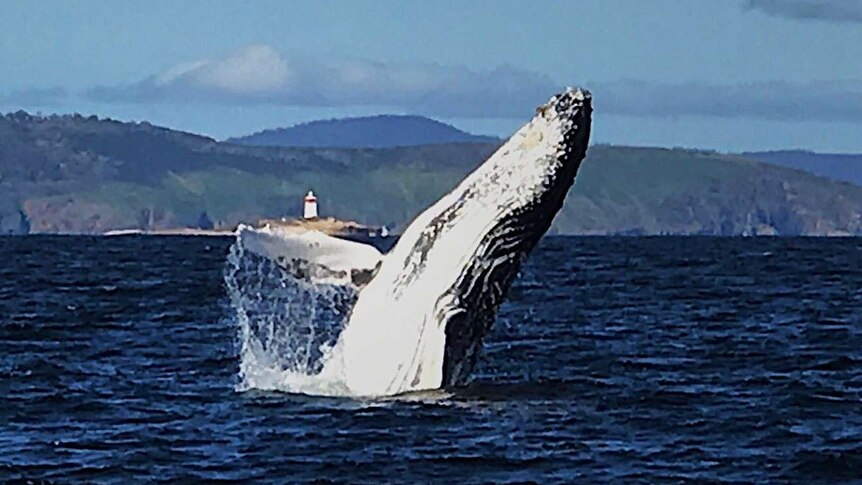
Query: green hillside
[85, 175]
[660, 191]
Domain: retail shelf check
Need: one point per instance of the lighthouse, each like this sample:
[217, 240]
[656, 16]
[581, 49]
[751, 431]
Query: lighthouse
[309, 209]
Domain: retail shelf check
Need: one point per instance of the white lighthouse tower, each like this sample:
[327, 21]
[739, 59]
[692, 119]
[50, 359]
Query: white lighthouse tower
[309, 209]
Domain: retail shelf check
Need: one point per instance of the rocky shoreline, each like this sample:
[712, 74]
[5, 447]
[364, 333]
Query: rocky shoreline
[328, 225]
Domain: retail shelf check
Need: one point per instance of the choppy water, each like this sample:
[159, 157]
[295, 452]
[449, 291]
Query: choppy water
[615, 359]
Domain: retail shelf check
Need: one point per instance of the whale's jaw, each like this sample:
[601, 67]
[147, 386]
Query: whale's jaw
[420, 322]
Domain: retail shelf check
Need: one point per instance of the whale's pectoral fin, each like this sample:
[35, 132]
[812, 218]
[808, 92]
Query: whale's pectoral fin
[312, 255]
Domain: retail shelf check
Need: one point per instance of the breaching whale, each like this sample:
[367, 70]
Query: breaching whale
[423, 309]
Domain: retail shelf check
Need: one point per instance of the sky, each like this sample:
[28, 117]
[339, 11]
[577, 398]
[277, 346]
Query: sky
[729, 75]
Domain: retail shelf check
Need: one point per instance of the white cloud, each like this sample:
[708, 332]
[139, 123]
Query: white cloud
[178, 71]
[824, 10]
[253, 70]
[260, 74]
[779, 100]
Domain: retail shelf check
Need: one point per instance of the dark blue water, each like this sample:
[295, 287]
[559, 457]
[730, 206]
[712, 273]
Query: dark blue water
[615, 360]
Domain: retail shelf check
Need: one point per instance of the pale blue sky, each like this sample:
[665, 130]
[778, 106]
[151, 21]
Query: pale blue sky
[724, 74]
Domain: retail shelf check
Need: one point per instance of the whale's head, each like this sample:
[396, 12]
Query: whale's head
[447, 275]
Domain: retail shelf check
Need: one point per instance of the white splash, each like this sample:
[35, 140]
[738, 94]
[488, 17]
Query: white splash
[286, 326]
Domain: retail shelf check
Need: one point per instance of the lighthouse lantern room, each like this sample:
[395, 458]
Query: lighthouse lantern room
[309, 209]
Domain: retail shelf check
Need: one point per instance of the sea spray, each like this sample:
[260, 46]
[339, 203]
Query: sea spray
[286, 326]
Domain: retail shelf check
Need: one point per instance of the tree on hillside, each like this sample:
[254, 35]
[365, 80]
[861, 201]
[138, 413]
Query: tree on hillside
[204, 222]
[23, 223]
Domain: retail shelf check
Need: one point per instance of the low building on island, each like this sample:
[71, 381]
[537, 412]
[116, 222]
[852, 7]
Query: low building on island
[310, 221]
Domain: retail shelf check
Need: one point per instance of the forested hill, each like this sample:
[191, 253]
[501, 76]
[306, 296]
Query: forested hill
[364, 132]
[74, 174]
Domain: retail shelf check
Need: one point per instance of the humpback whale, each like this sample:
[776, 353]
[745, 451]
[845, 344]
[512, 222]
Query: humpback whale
[421, 311]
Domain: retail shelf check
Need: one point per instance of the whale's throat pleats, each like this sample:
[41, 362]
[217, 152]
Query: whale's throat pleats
[483, 284]
[479, 290]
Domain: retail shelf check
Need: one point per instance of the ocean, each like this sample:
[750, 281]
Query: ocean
[621, 360]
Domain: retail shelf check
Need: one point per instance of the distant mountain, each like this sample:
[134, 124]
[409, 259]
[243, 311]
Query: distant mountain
[73, 174]
[836, 166]
[366, 132]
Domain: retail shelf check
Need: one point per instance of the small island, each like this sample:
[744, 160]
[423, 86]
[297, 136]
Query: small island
[310, 221]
